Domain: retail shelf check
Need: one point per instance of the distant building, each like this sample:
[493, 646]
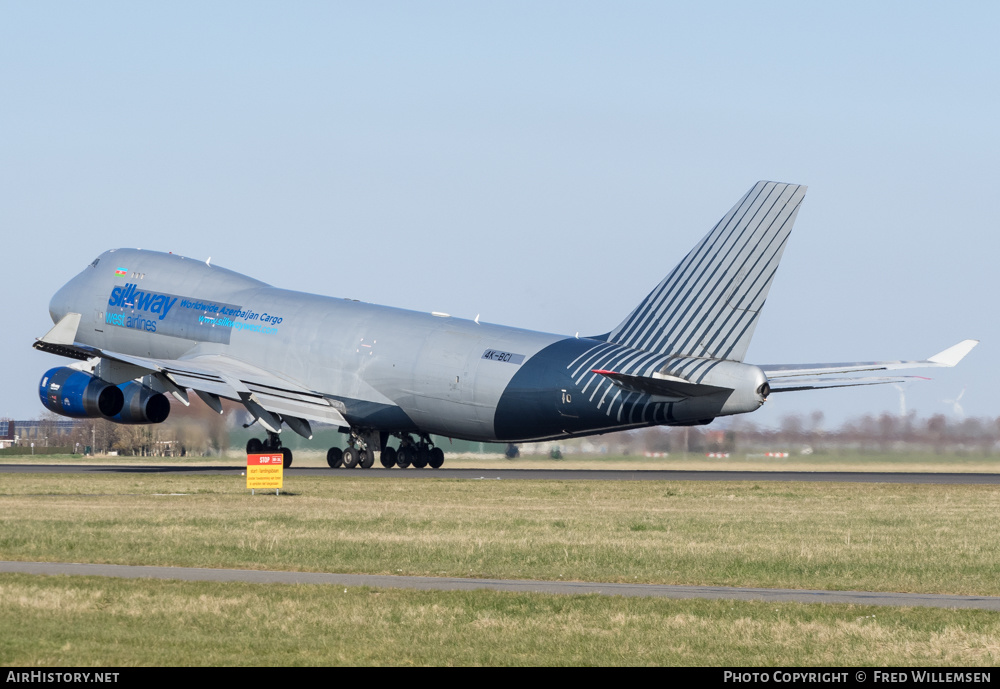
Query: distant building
[53, 432]
[9, 434]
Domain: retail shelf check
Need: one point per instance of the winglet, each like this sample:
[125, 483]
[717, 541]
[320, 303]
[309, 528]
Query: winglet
[954, 354]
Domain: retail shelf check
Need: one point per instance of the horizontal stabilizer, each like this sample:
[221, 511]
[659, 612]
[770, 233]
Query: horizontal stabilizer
[799, 384]
[661, 387]
[788, 372]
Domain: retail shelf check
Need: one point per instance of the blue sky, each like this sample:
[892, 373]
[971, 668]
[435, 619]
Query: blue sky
[541, 164]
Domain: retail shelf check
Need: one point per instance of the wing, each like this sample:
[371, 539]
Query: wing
[270, 397]
[794, 377]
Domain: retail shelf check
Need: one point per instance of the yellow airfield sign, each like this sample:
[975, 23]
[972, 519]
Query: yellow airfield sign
[265, 471]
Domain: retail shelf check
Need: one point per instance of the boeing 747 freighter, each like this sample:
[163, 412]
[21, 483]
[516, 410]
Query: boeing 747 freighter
[146, 326]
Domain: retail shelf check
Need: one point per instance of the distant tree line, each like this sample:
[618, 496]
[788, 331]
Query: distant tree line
[803, 433]
[199, 431]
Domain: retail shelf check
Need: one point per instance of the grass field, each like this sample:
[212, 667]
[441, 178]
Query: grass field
[920, 538]
[89, 621]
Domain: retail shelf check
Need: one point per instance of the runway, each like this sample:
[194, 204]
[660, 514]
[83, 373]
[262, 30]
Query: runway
[518, 586]
[529, 474]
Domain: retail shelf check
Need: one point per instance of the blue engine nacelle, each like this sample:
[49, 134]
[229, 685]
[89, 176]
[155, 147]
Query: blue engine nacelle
[78, 394]
[81, 395]
[141, 405]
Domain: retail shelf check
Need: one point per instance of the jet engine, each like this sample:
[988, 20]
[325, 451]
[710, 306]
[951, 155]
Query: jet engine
[141, 405]
[82, 395]
[79, 394]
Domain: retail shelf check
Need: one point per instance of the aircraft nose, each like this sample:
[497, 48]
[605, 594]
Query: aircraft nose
[63, 300]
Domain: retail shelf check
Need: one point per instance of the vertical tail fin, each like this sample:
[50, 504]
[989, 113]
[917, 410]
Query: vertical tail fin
[709, 304]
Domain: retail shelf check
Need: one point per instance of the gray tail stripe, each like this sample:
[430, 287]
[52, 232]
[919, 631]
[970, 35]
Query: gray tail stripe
[593, 363]
[710, 312]
[590, 379]
[712, 265]
[614, 362]
[684, 271]
[748, 317]
[635, 406]
[587, 363]
[615, 359]
[583, 356]
[625, 362]
[595, 347]
[621, 407]
[643, 363]
[761, 263]
[600, 380]
[707, 306]
[611, 404]
[716, 290]
[696, 372]
[610, 389]
[716, 241]
[688, 270]
[709, 321]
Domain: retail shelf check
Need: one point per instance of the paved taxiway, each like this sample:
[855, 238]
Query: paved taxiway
[533, 474]
[521, 586]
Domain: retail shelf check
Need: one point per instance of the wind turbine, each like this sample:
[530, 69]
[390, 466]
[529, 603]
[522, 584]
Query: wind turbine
[956, 407]
[902, 400]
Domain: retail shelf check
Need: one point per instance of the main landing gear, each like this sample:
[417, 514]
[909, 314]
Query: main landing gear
[256, 446]
[360, 452]
[361, 449]
[419, 454]
[356, 454]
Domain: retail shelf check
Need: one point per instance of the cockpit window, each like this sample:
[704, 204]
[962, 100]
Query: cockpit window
[94, 264]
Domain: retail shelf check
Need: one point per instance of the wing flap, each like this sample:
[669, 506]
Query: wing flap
[225, 377]
[301, 409]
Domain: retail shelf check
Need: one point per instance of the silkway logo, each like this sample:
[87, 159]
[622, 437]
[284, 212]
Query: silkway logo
[128, 297]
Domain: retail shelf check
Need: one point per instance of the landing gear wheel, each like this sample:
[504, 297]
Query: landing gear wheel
[388, 457]
[334, 457]
[436, 458]
[366, 458]
[350, 458]
[254, 446]
[286, 457]
[404, 457]
[423, 456]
